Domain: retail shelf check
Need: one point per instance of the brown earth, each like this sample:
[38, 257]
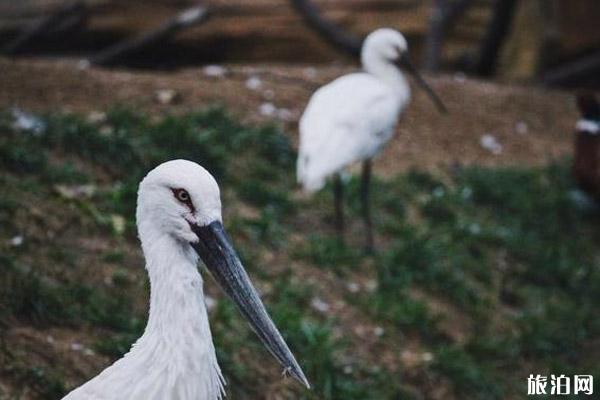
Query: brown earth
[533, 125]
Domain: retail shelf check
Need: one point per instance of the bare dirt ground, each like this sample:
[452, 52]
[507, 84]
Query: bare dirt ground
[532, 125]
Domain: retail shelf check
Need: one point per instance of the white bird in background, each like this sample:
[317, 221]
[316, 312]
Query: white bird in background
[179, 220]
[353, 117]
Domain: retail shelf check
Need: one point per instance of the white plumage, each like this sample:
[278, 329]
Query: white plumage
[350, 119]
[353, 117]
[179, 220]
[347, 121]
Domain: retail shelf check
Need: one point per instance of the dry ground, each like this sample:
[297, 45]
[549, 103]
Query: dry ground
[532, 124]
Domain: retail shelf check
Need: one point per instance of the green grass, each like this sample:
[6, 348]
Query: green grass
[44, 381]
[127, 146]
[494, 239]
[307, 334]
[43, 302]
[505, 248]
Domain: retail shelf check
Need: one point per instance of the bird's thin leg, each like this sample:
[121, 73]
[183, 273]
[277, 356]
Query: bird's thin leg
[366, 207]
[338, 197]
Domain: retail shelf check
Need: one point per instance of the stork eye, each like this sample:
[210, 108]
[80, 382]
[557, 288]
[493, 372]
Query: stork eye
[184, 197]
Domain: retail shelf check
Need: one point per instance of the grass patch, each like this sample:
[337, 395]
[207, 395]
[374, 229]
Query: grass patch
[505, 248]
[31, 297]
[308, 335]
[490, 240]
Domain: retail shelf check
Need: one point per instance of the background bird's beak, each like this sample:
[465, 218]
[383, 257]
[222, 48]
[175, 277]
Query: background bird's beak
[220, 258]
[404, 62]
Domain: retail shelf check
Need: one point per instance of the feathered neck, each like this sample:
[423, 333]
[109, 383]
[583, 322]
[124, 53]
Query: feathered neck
[385, 70]
[178, 329]
[174, 282]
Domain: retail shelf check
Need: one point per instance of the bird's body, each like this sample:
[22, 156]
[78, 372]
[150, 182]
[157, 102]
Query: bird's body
[347, 121]
[179, 220]
[352, 118]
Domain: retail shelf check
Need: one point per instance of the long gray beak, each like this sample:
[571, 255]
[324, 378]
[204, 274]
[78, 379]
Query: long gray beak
[404, 62]
[220, 258]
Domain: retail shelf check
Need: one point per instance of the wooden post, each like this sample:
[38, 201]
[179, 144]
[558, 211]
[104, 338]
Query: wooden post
[443, 17]
[70, 24]
[497, 30]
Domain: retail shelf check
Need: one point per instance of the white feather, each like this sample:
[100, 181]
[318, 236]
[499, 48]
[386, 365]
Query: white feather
[353, 117]
[175, 357]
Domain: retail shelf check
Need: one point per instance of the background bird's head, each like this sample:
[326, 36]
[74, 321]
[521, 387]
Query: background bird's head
[385, 50]
[384, 44]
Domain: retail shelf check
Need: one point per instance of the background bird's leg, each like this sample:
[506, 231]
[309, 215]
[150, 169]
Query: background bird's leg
[338, 197]
[366, 208]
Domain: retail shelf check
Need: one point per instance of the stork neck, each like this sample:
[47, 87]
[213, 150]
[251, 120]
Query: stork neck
[177, 337]
[386, 71]
[176, 293]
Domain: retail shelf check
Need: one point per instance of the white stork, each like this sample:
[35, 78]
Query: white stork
[353, 117]
[179, 220]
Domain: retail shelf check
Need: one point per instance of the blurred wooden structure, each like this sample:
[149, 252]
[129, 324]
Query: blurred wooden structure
[556, 40]
[239, 30]
[443, 17]
[66, 17]
[329, 31]
[162, 33]
[550, 38]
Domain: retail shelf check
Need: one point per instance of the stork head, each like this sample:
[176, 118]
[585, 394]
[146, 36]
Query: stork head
[388, 47]
[176, 196]
[181, 199]
[384, 44]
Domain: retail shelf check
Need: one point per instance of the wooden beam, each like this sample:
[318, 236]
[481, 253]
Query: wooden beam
[573, 72]
[443, 17]
[44, 25]
[331, 32]
[116, 53]
[350, 6]
[495, 36]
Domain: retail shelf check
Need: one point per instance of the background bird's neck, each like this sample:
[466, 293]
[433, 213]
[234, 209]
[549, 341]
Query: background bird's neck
[387, 72]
